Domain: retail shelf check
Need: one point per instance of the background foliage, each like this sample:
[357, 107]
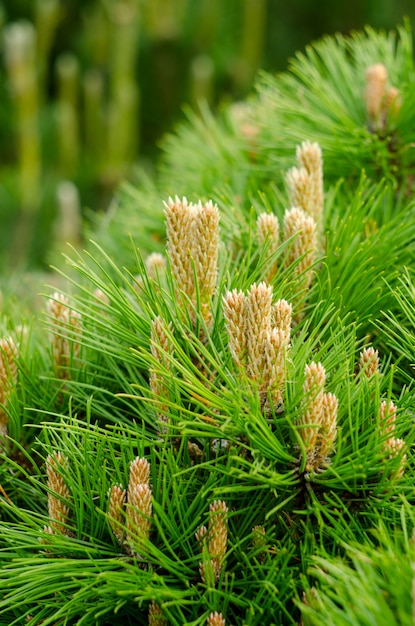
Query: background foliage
[107, 78]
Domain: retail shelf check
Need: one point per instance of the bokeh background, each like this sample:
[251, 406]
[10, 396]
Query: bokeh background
[88, 89]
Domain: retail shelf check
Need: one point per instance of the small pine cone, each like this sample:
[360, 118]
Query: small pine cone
[234, 305]
[376, 78]
[116, 514]
[313, 411]
[155, 265]
[369, 361]
[282, 318]
[58, 495]
[258, 326]
[215, 619]
[155, 615]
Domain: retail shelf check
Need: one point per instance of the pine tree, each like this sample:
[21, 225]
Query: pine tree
[214, 424]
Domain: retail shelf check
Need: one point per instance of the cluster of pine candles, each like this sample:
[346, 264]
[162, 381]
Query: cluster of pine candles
[257, 336]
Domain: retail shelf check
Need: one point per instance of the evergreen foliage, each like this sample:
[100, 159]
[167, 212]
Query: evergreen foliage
[222, 432]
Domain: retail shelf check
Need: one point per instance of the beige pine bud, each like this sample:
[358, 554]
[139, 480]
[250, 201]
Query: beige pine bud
[215, 542]
[155, 615]
[205, 254]
[309, 157]
[392, 445]
[139, 472]
[369, 361]
[215, 619]
[217, 536]
[192, 246]
[376, 78]
[155, 265]
[116, 513]
[387, 417]
[303, 248]
[138, 517]
[160, 342]
[268, 229]
[392, 102]
[64, 335]
[300, 189]
[58, 494]
[200, 534]
[282, 318]
[180, 234]
[273, 371]
[234, 305]
[395, 447]
[328, 430]
[8, 378]
[313, 408]
[258, 326]
[302, 229]
[139, 504]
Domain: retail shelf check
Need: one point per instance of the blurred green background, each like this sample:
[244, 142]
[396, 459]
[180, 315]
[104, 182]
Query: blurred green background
[89, 87]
